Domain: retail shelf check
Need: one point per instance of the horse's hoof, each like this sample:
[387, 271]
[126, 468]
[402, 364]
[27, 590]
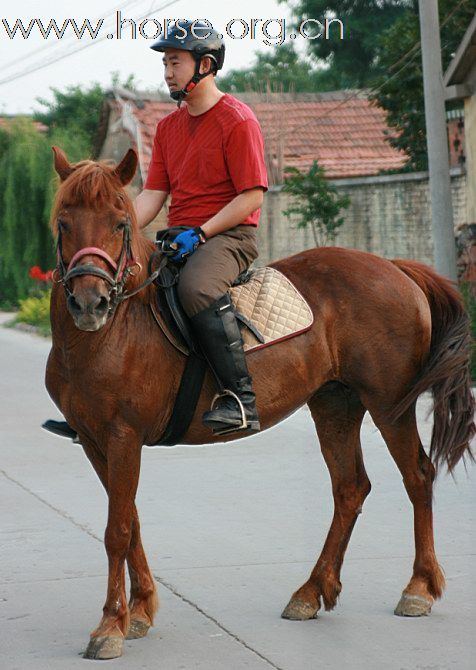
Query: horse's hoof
[104, 647]
[412, 605]
[298, 610]
[137, 629]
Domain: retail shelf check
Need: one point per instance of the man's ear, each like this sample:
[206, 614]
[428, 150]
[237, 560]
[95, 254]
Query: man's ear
[206, 64]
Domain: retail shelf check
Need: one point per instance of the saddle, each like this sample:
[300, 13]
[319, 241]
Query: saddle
[267, 306]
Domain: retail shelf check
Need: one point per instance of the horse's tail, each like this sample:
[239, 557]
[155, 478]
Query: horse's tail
[447, 369]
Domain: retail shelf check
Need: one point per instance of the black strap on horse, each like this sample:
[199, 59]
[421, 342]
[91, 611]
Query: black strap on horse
[196, 366]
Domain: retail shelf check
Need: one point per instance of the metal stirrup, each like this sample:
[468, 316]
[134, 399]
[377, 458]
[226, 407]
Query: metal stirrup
[244, 422]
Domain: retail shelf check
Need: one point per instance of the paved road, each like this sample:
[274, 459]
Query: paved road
[230, 531]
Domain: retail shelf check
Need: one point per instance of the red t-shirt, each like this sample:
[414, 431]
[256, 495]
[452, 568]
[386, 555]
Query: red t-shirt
[205, 161]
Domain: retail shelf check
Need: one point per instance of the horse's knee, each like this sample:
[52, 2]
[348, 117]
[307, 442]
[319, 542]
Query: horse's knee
[350, 496]
[117, 539]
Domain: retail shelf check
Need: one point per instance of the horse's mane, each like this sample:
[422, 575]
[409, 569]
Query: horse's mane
[93, 185]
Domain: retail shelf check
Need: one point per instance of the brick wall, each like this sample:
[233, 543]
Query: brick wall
[388, 216]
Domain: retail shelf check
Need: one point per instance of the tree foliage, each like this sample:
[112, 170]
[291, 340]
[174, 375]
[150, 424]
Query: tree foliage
[25, 168]
[315, 202]
[77, 110]
[280, 70]
[74, 109]
[351, 61]
[400, 89]
[27, 182]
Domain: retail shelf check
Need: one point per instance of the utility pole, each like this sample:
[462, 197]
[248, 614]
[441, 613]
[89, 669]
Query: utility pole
[437, 143]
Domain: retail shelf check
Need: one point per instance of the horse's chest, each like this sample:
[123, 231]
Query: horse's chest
[90, 378]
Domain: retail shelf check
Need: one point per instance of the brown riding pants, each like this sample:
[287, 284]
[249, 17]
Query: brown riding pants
[209, 272]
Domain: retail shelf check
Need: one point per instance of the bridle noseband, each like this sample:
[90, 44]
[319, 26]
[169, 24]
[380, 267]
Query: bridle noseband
[120, 270]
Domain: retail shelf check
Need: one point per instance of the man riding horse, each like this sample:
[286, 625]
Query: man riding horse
[208, 155]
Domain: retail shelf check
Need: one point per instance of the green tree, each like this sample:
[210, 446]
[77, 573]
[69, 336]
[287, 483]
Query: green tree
[351, 61]
[400, 90]
[280, 70]
[25, 169]
[75, 109]
[28, 181]
[315, 202]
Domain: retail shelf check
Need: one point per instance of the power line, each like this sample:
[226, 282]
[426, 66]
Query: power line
[49, 46]
[57, 58]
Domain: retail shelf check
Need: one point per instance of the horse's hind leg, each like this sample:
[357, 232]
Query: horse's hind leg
[418, 473]
[337, 413]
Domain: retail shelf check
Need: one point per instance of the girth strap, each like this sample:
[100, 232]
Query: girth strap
[186, 401]
[195, 367]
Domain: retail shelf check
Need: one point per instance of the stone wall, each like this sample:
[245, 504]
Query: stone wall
[388, 216]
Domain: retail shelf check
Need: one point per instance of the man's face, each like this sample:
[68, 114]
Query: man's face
[179, 68]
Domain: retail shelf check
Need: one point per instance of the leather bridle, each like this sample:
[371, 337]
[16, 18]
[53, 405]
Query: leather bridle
[122, 270]
[116, 279]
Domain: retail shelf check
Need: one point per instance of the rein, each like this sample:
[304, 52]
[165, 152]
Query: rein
[121, 270]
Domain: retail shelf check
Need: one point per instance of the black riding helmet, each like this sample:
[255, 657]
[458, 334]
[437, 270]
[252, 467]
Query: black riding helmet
[180, 36]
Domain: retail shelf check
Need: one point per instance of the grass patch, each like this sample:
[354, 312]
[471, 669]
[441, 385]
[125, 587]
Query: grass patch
[35, 311]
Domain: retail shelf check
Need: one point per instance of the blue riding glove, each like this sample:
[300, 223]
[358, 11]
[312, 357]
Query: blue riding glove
[186, 243]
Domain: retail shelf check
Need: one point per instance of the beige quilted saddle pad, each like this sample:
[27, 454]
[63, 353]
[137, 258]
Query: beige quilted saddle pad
[272, 304]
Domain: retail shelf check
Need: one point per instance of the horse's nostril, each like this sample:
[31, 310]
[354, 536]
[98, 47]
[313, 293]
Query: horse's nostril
[88, 304]
[74, 305]
[102, 305]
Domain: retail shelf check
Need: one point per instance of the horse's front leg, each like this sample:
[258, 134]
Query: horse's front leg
[123, 466]
[144, 601]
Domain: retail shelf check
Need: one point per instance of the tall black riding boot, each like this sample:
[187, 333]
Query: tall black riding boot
[234, 407]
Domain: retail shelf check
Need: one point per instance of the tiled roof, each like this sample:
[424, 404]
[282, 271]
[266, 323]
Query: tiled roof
[345, 133]
[148, 117]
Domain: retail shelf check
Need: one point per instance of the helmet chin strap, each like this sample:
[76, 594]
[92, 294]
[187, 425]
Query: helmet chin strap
[180, 95]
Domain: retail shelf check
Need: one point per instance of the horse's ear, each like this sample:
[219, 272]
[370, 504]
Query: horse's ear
[62, 165]
[127, 167]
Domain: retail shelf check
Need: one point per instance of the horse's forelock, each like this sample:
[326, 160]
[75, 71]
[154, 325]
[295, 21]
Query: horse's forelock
[94, 186]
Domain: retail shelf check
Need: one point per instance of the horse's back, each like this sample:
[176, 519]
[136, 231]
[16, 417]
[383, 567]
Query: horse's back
[359, 278]
[377, 320]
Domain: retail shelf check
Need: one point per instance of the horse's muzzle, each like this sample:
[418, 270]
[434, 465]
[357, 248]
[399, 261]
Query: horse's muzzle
[89, 308]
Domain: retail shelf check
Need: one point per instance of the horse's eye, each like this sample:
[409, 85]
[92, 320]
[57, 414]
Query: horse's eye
[120, 227]
[62, 226]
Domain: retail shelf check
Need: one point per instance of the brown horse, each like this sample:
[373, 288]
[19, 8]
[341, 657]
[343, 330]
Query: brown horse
[384, 332]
